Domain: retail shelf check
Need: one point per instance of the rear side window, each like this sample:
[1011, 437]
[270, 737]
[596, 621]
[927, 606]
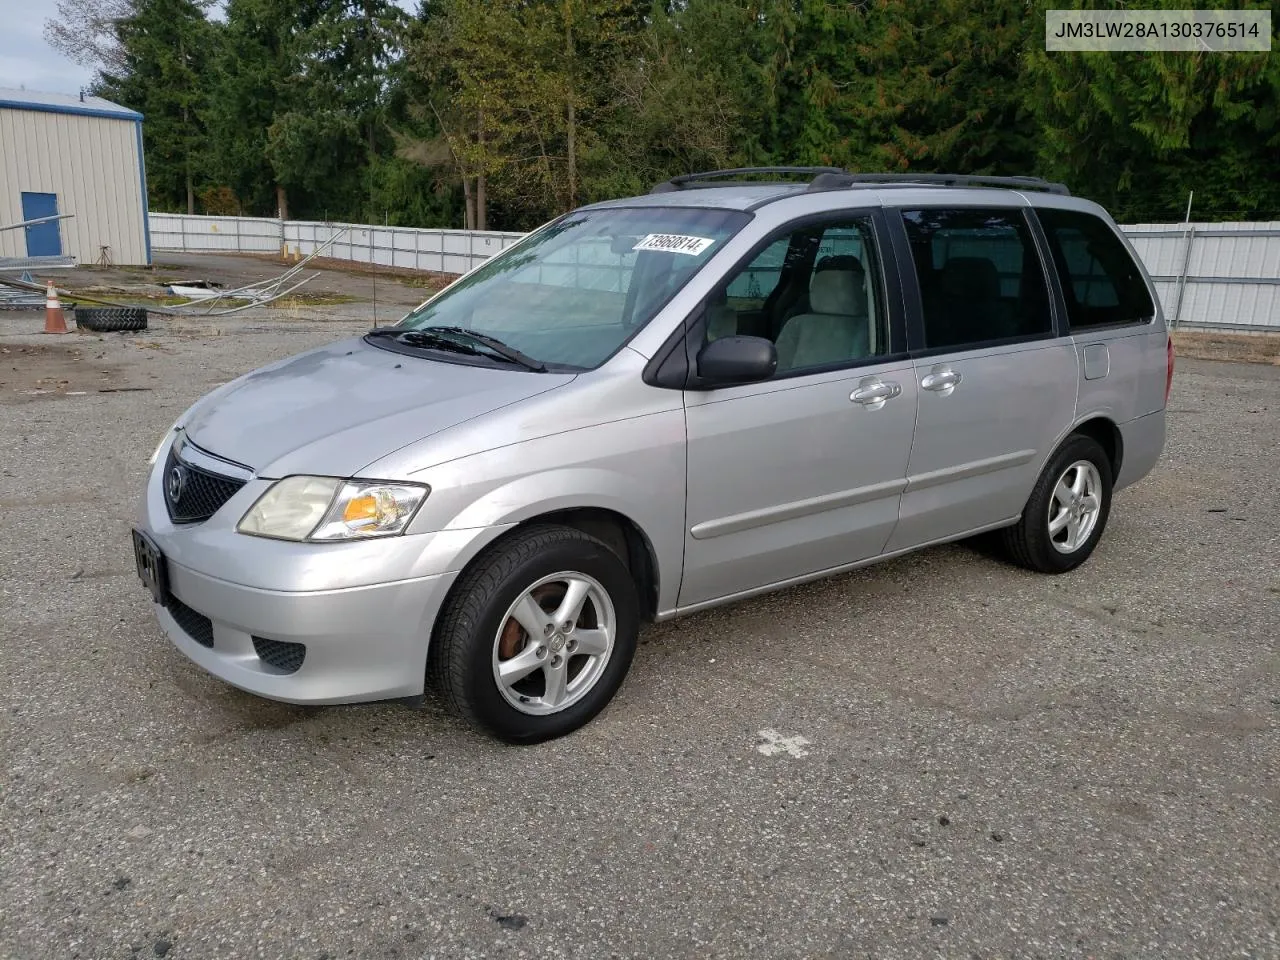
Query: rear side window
[980, 276]
[1100, 282]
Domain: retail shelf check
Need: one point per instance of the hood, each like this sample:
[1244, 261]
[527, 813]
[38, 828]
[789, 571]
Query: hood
[337, 409]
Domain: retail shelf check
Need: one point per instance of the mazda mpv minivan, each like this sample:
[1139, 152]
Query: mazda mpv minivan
[649, 407]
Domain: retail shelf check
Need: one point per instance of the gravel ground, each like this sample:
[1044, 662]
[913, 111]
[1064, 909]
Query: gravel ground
[940, 756]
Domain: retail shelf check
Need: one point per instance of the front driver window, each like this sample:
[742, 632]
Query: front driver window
[815, 292]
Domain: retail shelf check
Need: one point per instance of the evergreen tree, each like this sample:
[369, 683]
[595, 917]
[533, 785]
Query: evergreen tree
[328, 142]
[504, 113]
[689, 97]
[522, 93]
[255, 60]
[936, 87]
[1139, 131]
[162, 73]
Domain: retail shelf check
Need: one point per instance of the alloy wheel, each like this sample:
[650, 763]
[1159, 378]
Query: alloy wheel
[1074, 506]
[554, 643]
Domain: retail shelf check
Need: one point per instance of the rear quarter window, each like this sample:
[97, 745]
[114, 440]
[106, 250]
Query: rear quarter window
[1101, 283]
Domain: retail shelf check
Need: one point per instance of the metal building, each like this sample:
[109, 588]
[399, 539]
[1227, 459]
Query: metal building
[81, 156]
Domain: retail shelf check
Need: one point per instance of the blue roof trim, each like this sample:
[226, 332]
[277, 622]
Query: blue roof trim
[146, 205]
[86, 111]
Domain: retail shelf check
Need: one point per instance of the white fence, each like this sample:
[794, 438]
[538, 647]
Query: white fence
[1216, 275]
[1220, 275]
[444, 251]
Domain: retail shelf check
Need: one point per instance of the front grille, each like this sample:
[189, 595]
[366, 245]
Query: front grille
[193, 494]
[195, 625]
[279, 654]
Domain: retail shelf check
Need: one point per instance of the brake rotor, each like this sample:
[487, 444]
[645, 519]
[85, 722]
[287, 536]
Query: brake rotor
[514, 637]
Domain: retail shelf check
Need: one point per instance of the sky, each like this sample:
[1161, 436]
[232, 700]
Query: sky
[26, 60]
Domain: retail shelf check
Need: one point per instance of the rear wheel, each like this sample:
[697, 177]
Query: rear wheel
[538, 634]
[1066, 512]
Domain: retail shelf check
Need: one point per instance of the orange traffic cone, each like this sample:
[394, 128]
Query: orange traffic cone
[54, 322]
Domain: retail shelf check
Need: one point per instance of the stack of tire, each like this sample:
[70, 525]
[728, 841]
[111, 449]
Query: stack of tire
[111, 319]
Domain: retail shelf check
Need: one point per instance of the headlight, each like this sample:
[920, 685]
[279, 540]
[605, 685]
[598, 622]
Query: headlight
[370, 509]
[322, 508]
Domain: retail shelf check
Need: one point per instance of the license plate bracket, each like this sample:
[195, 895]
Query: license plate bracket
[152, 568]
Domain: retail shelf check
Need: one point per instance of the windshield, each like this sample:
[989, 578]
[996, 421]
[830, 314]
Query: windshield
[572, 293]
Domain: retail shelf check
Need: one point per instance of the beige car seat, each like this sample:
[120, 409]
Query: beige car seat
[837, 326]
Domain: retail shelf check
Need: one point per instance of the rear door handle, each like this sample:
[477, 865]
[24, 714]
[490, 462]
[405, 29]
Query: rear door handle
[942, 380]
[873, 393]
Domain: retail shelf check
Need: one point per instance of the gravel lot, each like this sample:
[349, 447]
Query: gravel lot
[997, 763]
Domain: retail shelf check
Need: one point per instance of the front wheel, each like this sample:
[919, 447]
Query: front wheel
[538, 634]
[1066, 512]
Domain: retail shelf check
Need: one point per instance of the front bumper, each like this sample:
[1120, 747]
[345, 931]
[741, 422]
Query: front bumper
[361, 643]
[362, 610]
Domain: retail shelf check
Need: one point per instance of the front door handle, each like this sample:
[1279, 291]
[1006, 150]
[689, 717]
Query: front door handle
[942, 380]
[872, 393]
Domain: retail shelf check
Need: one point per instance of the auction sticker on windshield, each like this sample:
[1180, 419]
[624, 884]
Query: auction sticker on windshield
[674, 243]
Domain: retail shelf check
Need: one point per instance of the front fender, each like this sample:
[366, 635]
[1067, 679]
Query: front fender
[525, 498]
[634, 467]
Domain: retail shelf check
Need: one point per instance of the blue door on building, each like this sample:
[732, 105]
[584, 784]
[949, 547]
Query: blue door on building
[43, 239]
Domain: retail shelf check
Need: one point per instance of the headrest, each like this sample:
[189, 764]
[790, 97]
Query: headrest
[970, 278]
[837, 291]
[839, 261]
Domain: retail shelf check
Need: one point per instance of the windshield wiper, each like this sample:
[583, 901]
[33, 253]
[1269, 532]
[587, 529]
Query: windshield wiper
[425, 341]
[432, 337]
[423, 338]
[494, 344]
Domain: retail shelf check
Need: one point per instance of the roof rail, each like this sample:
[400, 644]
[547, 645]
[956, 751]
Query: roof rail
[828, 180]
[687, 180]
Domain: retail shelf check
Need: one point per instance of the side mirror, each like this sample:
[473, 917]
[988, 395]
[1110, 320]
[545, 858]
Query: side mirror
[730, 360]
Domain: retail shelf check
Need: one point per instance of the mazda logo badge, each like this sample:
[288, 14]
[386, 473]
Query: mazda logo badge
[176, 482]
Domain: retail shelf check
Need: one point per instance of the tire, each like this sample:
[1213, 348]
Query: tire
[1031, 543]
[477, 631]
[111, 319]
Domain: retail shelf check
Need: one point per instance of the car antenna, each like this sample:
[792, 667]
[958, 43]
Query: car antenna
[373, 264]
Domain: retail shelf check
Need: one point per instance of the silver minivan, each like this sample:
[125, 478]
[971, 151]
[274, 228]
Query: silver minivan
[649, 407]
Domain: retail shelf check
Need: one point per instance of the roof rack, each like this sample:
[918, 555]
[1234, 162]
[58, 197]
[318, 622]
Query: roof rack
[688, 180]
[835, 178]
[832, 181]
